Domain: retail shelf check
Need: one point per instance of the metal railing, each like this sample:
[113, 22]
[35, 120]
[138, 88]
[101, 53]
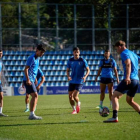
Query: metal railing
[61, 26]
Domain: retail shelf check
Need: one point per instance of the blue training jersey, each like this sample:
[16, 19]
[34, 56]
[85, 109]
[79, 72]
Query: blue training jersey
[77, 69]
[33, 64]
[0, 69]
[134, 58]
[107, 71]
[39, 75]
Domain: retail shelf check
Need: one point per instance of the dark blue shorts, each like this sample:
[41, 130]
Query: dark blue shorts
[106, 80]
[130, 89]
[73, 87]
[1, 88]
[30, 88]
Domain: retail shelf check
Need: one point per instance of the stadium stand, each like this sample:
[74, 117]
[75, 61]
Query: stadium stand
[53, 64]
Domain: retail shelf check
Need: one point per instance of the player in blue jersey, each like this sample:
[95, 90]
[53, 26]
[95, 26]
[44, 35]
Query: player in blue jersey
[1, 92]
[39, 81]
[130, 82]
[77, 65]
[30, 71]
[106, 68]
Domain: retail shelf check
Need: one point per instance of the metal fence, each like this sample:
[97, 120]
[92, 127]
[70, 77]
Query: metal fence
[62, 26]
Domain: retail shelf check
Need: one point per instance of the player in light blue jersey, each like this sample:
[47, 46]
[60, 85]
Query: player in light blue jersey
[106, 67]
[39, 81]
[30, 71]
[130, 82]
[1, 91]
[77, 65]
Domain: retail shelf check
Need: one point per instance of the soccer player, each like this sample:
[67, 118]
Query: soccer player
[40, 80]
[1, 92]
[130, 82]
[77, 65]
[30, 71]
[106, 68]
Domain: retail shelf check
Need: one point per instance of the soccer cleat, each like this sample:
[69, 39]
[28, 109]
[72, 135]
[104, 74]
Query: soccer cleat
[74, 112]
[3, 115]
[26, 110]
[111, 120]
[99, 106]
[78, 107]
[34, 117]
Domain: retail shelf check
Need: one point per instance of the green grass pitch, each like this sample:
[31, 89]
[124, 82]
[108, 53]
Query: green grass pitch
[59, 124]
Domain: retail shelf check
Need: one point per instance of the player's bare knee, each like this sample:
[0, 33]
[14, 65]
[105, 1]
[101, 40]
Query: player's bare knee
[70, 97]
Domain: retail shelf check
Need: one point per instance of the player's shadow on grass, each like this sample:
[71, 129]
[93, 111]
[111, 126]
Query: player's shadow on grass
[45, 123]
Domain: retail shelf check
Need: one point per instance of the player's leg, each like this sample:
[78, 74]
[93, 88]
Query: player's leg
[115, 106]
[76, 98]
[32, 107]
[131, 93]
[31, 89]
[1, 102]
[33, 101]
[102, 94]
[78, 87]
[71, 99]
[72, 102]
[27, 102]
[118, 93]
[110, 90]
[131, 102]
[37, 99]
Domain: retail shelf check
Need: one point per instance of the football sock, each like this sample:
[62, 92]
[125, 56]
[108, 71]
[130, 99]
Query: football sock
[0, 109]
[27, 105]
[32, 113]
[115, 113]
[73, 107]
[101, 103]
[78, 103]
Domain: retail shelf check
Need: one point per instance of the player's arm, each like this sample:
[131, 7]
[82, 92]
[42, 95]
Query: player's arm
[68, 71]
[68, 74]
[98, 74]
[128, 71]
[87, 73]
[116, 74]
[42, 81]
[27, 76]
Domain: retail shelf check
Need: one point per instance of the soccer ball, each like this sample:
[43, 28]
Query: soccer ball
[21, 90]
[104, 111]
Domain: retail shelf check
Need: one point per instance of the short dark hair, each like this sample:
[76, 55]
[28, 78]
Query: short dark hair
[120, 43]
[107, 50]
[41, 47]
[76, 48]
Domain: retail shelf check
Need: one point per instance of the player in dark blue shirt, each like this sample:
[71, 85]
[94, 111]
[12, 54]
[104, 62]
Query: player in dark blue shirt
[39, 81]
[30, 71]
[130, 82]
[77, 65]
[106, 67]
[1, 91]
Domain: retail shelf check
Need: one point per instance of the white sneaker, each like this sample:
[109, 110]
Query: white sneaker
[74, 112]
[111, 120]
[99, 106]
[34, 117]
[3, 115]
